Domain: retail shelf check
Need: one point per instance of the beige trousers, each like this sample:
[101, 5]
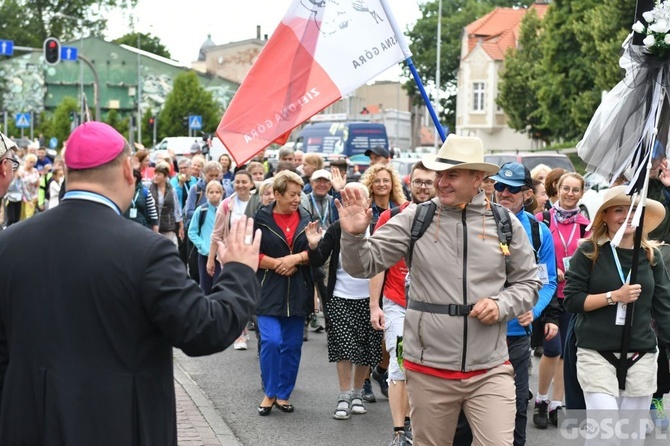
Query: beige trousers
[488, 401]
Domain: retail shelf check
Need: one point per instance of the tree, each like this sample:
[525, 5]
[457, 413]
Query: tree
[61, 126]
[456, 15]
[28, 22]
[187, 97]
[147, 42]
[519, 81]
[568, 92]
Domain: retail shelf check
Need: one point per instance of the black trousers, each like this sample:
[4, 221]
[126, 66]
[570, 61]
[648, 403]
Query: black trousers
[13, 212]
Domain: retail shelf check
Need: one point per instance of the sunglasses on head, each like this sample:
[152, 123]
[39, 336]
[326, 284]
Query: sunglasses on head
[512, 189]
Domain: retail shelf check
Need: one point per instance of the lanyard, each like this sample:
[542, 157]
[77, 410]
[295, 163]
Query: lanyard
[323, 218]
[91, 196]
[572, 234]
[137, 194]
[624, 280]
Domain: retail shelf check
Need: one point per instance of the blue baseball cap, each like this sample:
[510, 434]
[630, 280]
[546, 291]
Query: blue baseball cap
[514, 174]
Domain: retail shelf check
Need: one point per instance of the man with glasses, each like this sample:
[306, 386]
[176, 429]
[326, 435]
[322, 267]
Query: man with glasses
[513, 189]
[390, 316]
[8, 163]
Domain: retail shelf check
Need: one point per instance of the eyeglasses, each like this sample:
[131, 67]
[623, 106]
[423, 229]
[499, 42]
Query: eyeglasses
[575, 190]
[512, 189]
[418, 184]
[15, 163]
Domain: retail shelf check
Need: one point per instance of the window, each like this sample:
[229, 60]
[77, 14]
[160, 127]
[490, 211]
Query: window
[478, 96]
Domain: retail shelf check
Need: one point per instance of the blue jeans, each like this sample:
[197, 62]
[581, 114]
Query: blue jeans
[281, 347]
[518, 348]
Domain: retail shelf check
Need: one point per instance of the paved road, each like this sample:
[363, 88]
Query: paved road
[231, 381]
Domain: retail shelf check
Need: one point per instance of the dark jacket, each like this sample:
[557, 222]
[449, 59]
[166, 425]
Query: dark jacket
[86, 351]
[329, 247]
[281, 295]
[166, 219]
[597, 330]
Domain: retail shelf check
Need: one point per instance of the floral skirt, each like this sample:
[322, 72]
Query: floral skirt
[350, 334]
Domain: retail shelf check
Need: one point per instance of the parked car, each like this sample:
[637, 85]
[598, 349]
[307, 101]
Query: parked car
[531, 159]
[179, 145]
[404, 167]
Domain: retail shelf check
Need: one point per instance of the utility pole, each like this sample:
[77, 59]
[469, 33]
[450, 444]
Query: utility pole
[139, 91]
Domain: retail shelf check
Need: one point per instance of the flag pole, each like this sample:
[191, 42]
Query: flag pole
[400, 36]
[426, 99]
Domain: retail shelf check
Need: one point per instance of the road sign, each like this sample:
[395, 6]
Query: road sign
[23, 120]
[53, 143]
[68, 53]
[6, 47]
[195, 122]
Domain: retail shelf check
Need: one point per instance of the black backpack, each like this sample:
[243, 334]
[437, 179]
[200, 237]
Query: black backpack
[424, 216]
[201, 216]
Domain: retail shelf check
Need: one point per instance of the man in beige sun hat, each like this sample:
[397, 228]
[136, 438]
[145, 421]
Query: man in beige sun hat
[464, 288]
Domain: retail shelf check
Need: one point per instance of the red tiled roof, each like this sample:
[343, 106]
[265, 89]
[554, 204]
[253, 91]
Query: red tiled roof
[498, 30]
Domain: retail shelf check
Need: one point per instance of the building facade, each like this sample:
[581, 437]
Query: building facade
[483, 47]
[32, 85]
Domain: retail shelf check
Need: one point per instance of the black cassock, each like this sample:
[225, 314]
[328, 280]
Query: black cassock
[91, 305]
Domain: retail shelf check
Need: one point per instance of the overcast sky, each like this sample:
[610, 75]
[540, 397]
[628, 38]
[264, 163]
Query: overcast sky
[183, 29]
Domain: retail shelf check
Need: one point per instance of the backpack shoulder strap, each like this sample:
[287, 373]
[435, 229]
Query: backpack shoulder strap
[535, 235]
[582, 230]
[546, 218]
[422, 219]
[395, 211]
[201, 216]
[504, 227]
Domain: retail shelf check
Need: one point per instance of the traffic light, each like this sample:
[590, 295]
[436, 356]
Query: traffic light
[152, 123]
[184, 121]
[73, 116]
[52, 50]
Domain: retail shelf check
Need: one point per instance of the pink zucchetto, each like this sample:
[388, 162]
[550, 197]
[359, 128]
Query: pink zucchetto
[93, 144]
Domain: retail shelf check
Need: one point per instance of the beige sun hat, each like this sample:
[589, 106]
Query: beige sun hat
[616, 196]
[460, 152]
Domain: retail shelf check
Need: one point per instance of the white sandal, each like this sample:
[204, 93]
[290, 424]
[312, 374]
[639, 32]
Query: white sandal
[357, 407]
[342, 410]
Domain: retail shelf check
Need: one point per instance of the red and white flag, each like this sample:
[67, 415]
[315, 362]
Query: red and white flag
[321, 51]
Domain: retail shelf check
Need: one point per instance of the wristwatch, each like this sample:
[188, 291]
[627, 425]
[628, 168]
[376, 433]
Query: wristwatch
[608, 296]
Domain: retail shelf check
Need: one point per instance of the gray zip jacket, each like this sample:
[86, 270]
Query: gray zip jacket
[458, 260]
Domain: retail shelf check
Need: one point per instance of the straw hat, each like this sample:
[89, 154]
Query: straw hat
[460, 152]
[616, 196]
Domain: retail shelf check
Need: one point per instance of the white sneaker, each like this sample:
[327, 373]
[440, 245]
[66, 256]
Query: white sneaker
[240, 344]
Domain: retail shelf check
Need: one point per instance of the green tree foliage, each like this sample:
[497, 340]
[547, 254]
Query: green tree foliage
[187, 97]
[147, 42]
[456, 15]
[519, 80]
[29, 22]
[61, 126]
[566, 91]
[147, 132]
[566, 69]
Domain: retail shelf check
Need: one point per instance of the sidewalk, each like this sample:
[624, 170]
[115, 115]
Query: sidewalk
[198, 422]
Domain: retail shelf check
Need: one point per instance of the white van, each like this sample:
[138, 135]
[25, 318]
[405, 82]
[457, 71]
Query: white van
[179, 145]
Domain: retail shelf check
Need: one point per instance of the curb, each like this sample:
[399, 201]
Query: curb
[223, 433]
